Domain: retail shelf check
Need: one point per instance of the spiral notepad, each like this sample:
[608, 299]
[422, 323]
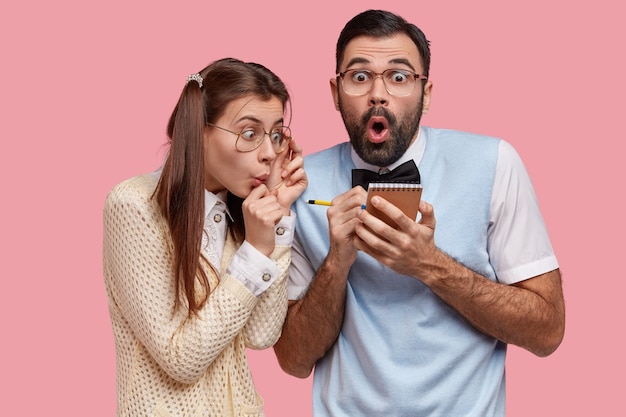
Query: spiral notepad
[405, 196]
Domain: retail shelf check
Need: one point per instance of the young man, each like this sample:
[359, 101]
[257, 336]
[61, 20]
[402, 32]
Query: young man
[414, 320]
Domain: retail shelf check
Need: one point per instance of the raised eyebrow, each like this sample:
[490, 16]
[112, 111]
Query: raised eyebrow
[357, 60]
[402, 61]
[254, 120]
[396, 61]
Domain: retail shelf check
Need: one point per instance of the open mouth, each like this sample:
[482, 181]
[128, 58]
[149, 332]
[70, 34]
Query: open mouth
[378, 129]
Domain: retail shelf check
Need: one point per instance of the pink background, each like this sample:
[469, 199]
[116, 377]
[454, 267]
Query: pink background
[86, 89]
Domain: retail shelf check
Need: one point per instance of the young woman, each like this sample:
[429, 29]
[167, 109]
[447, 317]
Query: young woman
[196, 254]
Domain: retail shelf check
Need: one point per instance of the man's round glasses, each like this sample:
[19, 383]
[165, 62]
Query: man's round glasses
[251, 137]
[398, 82]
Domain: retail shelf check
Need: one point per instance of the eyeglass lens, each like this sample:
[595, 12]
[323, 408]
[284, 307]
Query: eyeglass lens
[397, 82]
[252, 137]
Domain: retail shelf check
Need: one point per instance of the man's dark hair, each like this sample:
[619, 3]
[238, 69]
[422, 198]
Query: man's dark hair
[381, 24]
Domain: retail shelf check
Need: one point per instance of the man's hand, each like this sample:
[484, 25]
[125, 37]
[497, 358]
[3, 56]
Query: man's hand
[406, 249]
[343, 219]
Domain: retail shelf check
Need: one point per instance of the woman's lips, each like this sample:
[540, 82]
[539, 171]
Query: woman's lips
[261, 179]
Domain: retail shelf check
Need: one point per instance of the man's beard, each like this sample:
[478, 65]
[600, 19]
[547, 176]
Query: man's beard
[400, 135]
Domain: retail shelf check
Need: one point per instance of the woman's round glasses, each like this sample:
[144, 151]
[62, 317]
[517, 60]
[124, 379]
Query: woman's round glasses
[251, 137]
[398, 82]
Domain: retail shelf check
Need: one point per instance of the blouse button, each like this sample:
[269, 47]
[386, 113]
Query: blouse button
[217, 218]
[266, 276]
[280, 231]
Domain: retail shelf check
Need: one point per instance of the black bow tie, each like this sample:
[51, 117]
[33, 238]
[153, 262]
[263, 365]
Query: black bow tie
[406, 172]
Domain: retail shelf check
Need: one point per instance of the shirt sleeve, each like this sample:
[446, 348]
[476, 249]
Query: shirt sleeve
[518, 242]
[255, 270]
[301, 272]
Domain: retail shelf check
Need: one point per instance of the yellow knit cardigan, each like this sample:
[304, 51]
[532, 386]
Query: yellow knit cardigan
[168, 364]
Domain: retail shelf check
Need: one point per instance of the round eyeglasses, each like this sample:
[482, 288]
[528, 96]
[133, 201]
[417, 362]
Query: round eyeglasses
[251, 137]
[398, 82]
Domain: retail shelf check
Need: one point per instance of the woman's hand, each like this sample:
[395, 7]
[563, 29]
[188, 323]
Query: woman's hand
[261, 212]
[288, 179]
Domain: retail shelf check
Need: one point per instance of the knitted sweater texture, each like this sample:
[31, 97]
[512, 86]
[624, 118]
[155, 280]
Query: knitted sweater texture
[169, 364]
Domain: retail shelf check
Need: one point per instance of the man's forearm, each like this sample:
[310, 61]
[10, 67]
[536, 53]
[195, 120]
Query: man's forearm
[313, 323]
[529, 314]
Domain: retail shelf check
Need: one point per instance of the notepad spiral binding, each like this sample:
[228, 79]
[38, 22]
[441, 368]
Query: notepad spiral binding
[409, 186]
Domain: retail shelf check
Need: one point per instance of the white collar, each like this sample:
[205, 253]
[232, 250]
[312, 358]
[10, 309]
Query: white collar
[212, 200]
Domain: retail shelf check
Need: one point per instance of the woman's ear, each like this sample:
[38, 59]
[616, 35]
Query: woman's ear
[205, 136]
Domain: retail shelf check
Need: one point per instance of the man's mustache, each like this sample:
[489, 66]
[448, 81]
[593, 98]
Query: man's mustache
[378, 112]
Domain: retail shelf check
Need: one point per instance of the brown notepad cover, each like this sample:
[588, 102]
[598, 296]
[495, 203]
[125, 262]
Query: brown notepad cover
[405, 196]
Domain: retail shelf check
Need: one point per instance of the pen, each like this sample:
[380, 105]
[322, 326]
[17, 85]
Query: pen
[319, 202]
[326, 203]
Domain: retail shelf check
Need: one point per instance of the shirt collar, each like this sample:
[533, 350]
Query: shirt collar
[414, 152]
[217, 201]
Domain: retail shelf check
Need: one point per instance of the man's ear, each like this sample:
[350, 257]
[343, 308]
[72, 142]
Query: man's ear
[428, 91]
[334, 91]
